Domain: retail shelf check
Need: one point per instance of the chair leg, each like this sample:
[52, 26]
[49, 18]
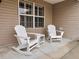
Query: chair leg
[60, 39]
[28, 50]
[38, 44]
[50, 40]
[44, 39]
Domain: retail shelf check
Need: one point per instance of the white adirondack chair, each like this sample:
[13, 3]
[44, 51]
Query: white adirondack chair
[52, 33]
[24, 41]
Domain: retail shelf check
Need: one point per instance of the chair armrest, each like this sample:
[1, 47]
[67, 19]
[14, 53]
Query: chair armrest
[61, 32]
[32, 33]
[35, 34]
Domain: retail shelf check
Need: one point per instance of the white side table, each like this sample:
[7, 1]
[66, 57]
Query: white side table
[41, 38]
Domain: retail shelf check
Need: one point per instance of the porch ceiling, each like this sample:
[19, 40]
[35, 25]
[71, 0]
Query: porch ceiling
[53, 1]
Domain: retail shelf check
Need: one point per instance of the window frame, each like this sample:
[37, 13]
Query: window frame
[33, 15]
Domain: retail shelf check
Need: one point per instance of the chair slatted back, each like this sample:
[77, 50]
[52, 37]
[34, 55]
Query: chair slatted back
[52, 30]
[21, 31]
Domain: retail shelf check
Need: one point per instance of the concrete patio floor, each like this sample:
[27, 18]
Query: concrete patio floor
[72, 54]
[54, 50]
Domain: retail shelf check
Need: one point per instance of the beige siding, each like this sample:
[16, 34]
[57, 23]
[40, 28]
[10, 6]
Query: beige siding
[8, 19]
[67, 15]
[39, 1]
[48, 15]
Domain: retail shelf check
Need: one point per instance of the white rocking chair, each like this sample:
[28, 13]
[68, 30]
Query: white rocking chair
[52, 33]
[24, 41]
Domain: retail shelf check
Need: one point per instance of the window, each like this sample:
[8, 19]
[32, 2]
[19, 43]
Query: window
[26, 21]
[39, 22]
[39, 16]
[31, 14]
[22, 20]
[29, 22]
[39, 10]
